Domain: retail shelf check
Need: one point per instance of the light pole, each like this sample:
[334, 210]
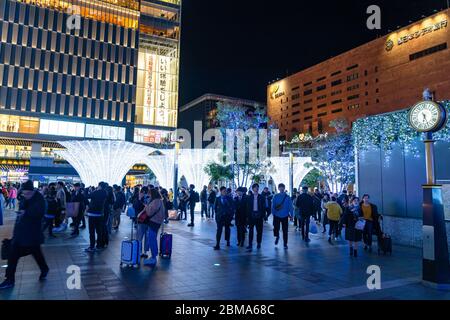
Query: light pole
[435, 261]
[175, 171]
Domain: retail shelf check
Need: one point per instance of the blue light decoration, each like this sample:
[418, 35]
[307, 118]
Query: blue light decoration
[386, 130]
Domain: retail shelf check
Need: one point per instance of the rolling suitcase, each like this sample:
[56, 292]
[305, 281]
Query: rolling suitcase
[131, 252]
[384, 241]
[165, 244]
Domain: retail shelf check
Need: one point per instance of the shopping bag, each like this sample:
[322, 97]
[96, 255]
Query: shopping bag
[313, 227]
[72, 209]
[360, 225]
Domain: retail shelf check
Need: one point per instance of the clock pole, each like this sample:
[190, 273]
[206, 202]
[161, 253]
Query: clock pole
[436, 267]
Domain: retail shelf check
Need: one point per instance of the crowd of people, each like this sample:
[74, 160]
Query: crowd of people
[55, 207]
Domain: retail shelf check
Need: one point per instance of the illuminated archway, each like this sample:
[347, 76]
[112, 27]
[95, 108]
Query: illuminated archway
[102, 160]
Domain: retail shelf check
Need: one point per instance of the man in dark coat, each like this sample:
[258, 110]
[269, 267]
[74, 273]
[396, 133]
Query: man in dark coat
[305, 205]
[224, 208]
[255, 213]
[268, 202]
[211, 203]
[78, 196]
[27, 236]
[240, 204]
[204, 201]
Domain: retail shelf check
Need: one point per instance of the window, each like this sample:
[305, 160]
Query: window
[322, 87]
[308, 109]
[353, 106]
[353, 77]
[352, 67]
[354, 87]
[323, 114]
[295, 105]
[307, 84]
[428, 51]
[321, 79]
[296, 121]
[356, 96]
[322, 97]
[336, 83]
[336, 73]
[335, 93]
[295, 96]
[296, 88]
[308, 92]
[308, 118]
[336, 111]
[308, 101]
[336, 101]
[321, 106]
[295, 113]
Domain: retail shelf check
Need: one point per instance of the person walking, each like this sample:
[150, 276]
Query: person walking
[211, 203]
[282, 210]
[255, 213]
[78, 196]
[139, 206]
[52, 210]
[204, 201]
[12, 196]
[118, 207]
[95, 212]
[268, 203]
[334, 212]
[107, 216]
[183, 200]
[305, 207]
[325, 200]
[27, 235]
[350, 217]
[317, 196]
[194, 197]
[61, 196]
[296, 212]
[371, 215]
[155, 217]
[240, 205]
[224, 214]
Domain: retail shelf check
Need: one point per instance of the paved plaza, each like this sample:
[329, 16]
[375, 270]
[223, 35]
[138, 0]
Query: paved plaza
[303, 272]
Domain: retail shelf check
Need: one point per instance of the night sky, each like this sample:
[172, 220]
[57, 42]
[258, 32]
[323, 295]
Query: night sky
[236, 47]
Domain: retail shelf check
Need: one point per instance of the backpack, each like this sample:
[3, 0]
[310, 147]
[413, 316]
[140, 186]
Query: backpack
[196, 196]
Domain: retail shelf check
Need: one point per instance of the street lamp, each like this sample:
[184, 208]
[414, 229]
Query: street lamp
[175, 171]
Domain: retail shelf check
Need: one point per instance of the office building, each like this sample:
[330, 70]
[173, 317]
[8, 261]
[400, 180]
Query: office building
[384, 75]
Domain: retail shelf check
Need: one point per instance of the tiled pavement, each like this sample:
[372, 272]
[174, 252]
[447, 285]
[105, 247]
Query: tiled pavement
[303, 272]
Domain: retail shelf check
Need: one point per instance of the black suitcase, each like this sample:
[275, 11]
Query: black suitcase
[384, 241]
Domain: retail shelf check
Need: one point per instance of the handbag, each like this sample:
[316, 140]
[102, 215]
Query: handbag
[6, 249]
[313, 227]
[143, 217]
[360, 225]
[279, 206]
[72, 209]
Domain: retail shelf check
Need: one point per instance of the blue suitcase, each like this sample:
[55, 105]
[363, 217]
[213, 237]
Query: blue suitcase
[165, 245]
[131, 252]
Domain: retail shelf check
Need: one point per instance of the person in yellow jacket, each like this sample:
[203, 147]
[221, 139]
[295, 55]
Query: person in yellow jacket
[334, 212]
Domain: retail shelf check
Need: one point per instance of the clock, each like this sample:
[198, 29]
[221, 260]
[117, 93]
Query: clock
[427, 116]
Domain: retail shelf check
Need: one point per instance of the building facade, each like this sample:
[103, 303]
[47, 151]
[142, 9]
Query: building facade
[158, 71]
[204, 110]
[69, 70]
[381, 76]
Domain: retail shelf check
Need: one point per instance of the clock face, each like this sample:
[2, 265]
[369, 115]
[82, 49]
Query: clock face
[426, 116]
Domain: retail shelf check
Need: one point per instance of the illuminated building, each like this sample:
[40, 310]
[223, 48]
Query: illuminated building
[384, 75]
[158, 68]
[69, 70]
